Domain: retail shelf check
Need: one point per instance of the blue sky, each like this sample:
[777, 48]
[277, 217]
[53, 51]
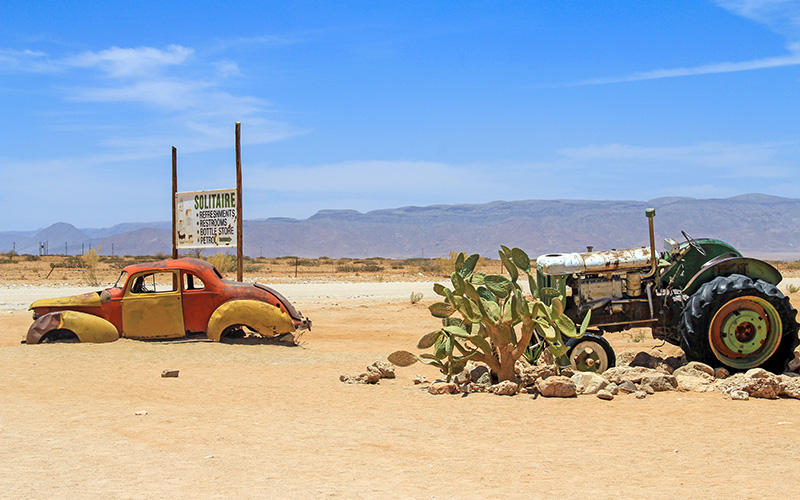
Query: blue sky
[369, 105]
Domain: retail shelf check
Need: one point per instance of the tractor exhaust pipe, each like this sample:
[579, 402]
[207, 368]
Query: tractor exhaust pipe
[651, 213]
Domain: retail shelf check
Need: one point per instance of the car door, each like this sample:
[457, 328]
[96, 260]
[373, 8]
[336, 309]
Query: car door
[152, 307]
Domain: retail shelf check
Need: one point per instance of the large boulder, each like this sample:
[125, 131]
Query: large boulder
[589, 382]
[696, 369]
[384, 369]
[528, 375]
[756, 383]
[443, 388]
[504, 388]
[620, 374]
[790, 386]
[695, 376]
[367, 377]
[660, 382]
[556, 387]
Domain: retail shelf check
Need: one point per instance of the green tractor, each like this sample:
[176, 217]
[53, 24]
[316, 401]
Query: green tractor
[720, 307]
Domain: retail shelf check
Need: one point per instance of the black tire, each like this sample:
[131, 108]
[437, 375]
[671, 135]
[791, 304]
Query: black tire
[598, 361]
[711, 338]
[62, 335]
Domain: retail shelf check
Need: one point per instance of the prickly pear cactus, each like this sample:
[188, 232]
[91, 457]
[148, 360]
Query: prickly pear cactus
[487, 318]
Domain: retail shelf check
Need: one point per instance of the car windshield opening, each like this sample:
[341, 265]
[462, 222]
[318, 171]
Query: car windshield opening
[123, 278]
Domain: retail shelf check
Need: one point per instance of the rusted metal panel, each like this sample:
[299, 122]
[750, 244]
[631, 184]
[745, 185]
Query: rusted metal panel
[87, 327]
[263, 318]
[594, 262]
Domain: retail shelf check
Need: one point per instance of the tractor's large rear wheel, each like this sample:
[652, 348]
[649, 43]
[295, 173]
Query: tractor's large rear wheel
[739, 323]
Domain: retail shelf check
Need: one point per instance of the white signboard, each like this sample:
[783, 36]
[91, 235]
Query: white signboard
[206, 219]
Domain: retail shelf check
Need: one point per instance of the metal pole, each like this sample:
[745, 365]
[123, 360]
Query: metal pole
[174, 208]
[239, 215]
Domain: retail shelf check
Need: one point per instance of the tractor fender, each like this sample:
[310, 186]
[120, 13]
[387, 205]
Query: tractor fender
[728, 264]
[87, 327]
[262, 317]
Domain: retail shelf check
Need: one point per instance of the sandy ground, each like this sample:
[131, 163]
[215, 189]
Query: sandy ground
[273, 421]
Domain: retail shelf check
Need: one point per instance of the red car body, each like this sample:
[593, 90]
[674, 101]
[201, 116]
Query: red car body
[166, 299]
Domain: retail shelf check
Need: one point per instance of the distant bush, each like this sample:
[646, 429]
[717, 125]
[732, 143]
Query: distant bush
[364, 268]
[225, 263]
[89, 261]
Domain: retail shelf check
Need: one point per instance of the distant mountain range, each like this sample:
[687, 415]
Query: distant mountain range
[758, 225]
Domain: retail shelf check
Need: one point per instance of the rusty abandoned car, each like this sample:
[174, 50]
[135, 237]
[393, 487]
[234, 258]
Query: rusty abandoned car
[168, 299]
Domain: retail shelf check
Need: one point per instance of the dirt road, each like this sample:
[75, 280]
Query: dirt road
[271, 421]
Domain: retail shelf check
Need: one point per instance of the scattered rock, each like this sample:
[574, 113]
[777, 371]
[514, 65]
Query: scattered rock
[504, 388]
[169, 374]
[605, 395]
[688, 383]
[627, 387]
[660, 382]
[589, 382]
[461, 378]
[721, 373]
[656, 380]
[475, 387]
[794, 363]
[556, 386]
[443, 388]
[619, 374]
[479, 374]
[567, 371]
[420, 379]
[384, 369]
[485, 379]
[640, 394]
[652, 359]
[530, 374]
[624, 358]
[696, 369]
[367, 377]
[140, 412]
[790, 386]
[647, 389]
[612, 388]
[738, 395]
[765, 385]
[758, 373]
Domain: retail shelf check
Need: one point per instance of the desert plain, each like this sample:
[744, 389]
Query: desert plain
[270, 420]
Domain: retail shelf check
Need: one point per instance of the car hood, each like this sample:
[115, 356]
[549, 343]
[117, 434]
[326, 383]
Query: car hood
[91, 299]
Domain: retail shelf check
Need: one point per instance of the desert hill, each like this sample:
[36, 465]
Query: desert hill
[758, 225]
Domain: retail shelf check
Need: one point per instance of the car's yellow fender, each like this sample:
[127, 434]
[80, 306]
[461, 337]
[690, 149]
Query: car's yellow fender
[264, 318]
[87, 327]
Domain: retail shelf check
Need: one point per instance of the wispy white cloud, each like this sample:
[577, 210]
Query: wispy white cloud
[131, 62]
[780, 16]
[29, 61]
[192, 112]
[792, 59]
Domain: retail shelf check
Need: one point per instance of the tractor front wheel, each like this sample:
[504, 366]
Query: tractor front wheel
[739, 323]
[590, 353]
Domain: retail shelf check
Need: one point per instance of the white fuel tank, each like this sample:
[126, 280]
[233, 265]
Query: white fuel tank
[554, 264]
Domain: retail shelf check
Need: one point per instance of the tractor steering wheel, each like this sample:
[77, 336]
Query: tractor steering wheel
[694, 244]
